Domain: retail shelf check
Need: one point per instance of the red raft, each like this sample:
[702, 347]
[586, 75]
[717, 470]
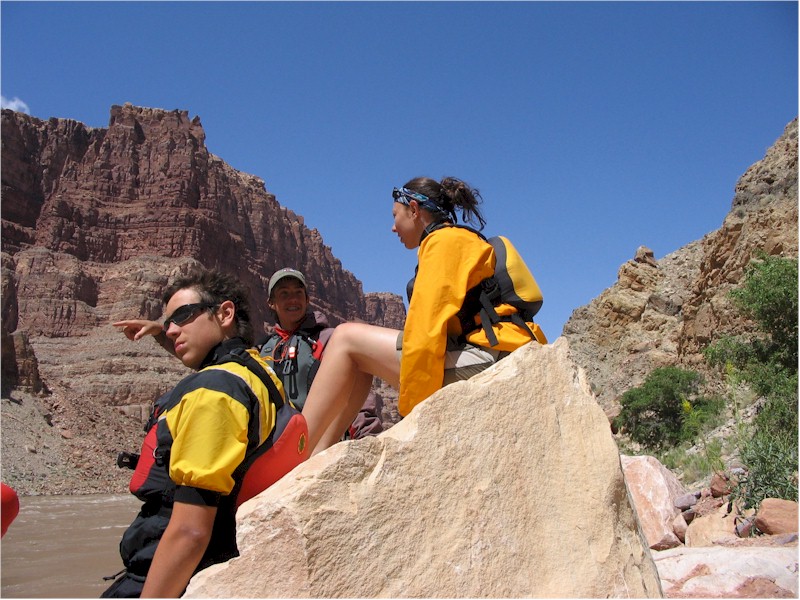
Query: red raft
[9, 507]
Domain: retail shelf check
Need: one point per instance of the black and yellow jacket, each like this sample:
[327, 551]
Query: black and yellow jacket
[199, 436]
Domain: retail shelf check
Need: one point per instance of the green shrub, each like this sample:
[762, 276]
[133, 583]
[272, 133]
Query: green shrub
[766, 361]
[731, 354]
[771, 469]
[654, 414]
[769, 296]
[700, 416]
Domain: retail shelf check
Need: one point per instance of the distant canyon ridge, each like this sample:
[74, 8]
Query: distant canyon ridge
[96, 222]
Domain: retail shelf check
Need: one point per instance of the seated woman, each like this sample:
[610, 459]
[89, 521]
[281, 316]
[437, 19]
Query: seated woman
[432, 350]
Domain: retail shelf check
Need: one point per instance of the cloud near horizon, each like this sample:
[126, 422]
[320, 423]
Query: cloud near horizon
[15, 104]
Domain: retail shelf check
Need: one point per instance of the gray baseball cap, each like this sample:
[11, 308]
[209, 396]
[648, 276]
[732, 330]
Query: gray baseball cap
[281, 274]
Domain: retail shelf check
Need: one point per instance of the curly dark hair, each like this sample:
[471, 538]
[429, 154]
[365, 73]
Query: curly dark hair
[451, 193]
[215, 288]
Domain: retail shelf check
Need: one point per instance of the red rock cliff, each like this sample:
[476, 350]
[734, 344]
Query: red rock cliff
[147, 186]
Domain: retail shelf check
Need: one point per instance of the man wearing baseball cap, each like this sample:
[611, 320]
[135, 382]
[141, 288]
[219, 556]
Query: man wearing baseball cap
[296, 348]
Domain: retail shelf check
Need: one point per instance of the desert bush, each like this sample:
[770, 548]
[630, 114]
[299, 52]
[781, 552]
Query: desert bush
[766, 360]
[666, 409]
[771, 469]
[769, 296]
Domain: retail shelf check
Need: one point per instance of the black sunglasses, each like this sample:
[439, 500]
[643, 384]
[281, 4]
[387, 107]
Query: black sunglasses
[185, 313]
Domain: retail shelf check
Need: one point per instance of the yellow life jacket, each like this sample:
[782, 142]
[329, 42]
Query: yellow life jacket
[512, 284]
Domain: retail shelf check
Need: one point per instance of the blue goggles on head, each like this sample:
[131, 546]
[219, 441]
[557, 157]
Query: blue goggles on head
[405, 195]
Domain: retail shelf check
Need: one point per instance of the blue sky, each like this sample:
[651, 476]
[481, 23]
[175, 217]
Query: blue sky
[590, 128]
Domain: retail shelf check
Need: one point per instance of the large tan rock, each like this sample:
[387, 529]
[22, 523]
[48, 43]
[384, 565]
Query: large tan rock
[715, 527]
[507, 485]
[654, 490]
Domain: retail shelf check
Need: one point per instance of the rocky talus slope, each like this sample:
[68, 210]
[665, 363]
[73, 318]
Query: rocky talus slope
[666, 311]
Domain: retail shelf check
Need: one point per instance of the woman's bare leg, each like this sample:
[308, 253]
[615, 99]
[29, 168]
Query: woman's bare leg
[356, 398]
[337, 394]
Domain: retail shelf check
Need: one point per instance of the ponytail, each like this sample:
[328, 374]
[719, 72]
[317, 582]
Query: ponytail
[451, 194]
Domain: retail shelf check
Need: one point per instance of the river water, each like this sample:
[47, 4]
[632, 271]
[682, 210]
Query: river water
[63, 546]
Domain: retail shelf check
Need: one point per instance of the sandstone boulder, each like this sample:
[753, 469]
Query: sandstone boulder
[507, 485]
[777, 516]
[720, 485]
[654, 490]
[710, 528]
[679, 526]
[686, 501]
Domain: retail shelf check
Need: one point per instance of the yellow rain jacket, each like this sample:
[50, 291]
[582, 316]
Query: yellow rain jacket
[452, 261]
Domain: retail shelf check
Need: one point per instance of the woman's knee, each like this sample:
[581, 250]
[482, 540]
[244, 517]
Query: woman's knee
[358, 336]
[370, 348]
[346, 335]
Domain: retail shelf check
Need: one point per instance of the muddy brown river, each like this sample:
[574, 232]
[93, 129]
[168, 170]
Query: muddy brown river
[63, 546]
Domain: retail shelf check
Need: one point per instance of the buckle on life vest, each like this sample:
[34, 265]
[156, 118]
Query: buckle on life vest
[127, 460]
